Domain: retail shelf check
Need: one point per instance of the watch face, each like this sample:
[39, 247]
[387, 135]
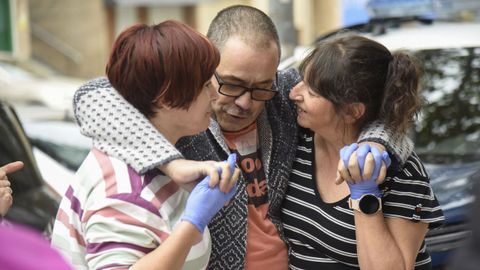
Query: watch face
[369, 204]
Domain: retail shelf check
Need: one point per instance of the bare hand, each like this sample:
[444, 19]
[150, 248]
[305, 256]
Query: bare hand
[6, 191]
[187, 172]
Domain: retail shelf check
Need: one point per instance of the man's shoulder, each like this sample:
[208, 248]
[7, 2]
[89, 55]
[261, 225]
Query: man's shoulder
[288, 78]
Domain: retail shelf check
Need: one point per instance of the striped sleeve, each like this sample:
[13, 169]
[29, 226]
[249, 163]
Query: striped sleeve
[116, 238]
[408, 194]
[111, 216]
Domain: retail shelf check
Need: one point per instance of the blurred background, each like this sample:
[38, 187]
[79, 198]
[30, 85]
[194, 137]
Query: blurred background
[74, 37]
[48, 48]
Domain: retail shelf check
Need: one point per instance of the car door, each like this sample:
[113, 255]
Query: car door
[33, 204]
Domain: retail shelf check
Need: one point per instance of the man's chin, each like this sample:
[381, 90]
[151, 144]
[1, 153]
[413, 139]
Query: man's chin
[234, 126]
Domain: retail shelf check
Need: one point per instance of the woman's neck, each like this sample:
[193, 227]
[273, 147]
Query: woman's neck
[165, 128]
[327, 154]
[330, 143]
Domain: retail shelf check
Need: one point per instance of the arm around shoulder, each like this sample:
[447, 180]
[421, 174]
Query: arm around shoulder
[119, 129]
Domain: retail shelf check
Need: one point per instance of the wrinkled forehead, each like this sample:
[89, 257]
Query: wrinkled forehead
[249, 63]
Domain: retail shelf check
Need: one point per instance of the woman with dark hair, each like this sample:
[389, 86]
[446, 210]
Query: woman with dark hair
[348, 82]
[113, 217]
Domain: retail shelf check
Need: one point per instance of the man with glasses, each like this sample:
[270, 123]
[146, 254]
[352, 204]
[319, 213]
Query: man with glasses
[252, 117]
[233, 90]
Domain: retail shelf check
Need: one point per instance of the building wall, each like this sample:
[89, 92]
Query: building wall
[19, 32]
[75, 37]
[313, 18]
[70, 35]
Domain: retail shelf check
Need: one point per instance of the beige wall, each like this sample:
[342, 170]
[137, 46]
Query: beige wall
[70, 35]
[206, 11]
[313, 18]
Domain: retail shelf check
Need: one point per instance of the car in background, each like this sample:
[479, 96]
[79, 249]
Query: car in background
[59, 149]
[32, 83]
[35, 204]
[447, 131]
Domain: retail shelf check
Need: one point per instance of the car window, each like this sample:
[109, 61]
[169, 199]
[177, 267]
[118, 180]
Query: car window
[68, 155]
[14, 146]
[448, 128]
[61, 140]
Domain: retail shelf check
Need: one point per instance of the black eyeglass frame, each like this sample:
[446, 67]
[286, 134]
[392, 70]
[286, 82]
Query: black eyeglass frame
[245, 89]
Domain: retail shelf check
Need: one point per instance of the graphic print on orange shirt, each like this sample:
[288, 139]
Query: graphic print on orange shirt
[265, 248]
[244, 143]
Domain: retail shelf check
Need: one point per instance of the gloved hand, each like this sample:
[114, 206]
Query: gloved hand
[204, 202]
[378, 157]
[366, 186]
[351, 152]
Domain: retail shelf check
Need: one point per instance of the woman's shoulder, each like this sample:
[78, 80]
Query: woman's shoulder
[413, 168]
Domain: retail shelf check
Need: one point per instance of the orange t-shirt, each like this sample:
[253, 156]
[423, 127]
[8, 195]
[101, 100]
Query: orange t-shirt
[265, 248]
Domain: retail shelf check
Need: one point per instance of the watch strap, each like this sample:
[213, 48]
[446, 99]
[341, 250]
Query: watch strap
[354, 204]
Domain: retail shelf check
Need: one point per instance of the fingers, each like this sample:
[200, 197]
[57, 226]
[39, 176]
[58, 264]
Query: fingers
[362, 162]
[228, 168]
[353, 168]
[386, 159]
[338, 179]
[369, 166]
[225, 177]
[5, 204]
[6, 200]
[377, 159]
[382, 175]
[379, 146]
[233, 183]
[232, 160]
[12, 167]
[4, 183]
[5, 190]
[342, 173]
[362, 152]
[212, 173]
[346, 152]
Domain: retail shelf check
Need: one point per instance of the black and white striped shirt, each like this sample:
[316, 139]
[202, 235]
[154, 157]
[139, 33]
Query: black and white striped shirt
[322, 235]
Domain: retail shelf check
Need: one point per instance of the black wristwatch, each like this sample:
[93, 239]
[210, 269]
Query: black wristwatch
[367, 204]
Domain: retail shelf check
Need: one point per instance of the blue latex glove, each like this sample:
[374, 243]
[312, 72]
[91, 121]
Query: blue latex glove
[366, 186]
[204, 202]
[346, 152]
[362, 152]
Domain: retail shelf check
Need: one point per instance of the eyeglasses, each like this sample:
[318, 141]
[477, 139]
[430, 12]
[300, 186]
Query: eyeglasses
[233, 90]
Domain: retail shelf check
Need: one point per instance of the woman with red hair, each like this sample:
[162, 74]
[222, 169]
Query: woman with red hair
[115, 217]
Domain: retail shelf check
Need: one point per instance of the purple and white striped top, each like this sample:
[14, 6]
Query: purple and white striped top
[111, 216]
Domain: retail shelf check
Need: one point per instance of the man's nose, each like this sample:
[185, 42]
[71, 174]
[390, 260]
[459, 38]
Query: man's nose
[244, 101]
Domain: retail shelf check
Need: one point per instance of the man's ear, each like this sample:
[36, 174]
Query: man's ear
[354, 112]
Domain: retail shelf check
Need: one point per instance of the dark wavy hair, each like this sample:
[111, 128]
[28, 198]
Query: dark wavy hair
[352, 68]
[169, 61]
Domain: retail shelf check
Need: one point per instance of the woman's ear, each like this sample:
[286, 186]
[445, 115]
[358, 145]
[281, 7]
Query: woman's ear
[354, 112]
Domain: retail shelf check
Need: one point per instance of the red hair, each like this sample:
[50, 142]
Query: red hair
[169, 62]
